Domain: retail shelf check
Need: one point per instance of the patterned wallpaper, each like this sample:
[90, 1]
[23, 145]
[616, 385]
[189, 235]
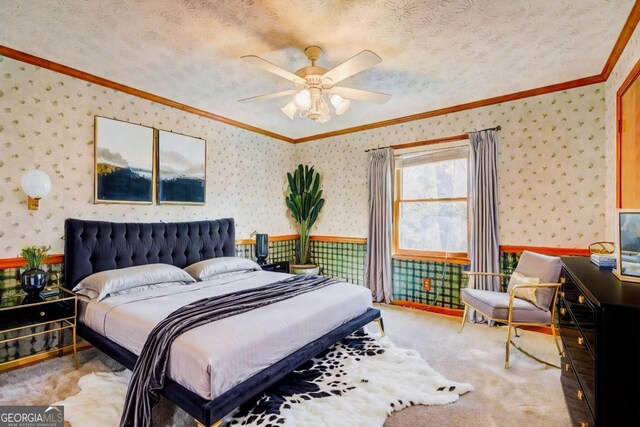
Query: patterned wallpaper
[630, 56]
[551, 167]
[46, 122]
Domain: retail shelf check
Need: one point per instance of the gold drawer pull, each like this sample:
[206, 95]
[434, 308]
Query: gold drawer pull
[583, 424]
[580, 340]
[561, 293]
[567, 367]
[563, 280]
[581, 299]
[42, 313]
[563, 311]
[563, 354]
[580, 395]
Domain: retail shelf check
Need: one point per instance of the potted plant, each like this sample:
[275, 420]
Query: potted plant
[304, 201]
[33, 280]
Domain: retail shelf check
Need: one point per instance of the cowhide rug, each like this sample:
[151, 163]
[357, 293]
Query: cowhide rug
[357, 382]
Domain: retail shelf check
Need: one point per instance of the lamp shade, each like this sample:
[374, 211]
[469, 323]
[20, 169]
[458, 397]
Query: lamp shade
[339, 103]
[289, 109]
[302, 99]
[36, 184]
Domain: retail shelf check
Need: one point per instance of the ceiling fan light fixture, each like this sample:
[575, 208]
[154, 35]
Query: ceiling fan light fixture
[302, 100]
[339, 103]
[290, 109]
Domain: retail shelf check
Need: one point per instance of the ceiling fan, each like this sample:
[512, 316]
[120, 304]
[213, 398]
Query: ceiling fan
[313, 83]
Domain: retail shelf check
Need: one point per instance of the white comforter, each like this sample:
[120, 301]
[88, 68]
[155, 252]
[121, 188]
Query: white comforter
[213, 358]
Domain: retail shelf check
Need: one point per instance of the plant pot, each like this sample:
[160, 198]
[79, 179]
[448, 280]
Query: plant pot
[33, 281]
[304, 269]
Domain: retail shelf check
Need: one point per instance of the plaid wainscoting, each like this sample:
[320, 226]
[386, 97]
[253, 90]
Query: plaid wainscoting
[280, 250]
[446, 280]
[338, 259]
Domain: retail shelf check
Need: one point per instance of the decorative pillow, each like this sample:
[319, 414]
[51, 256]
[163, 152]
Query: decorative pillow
[109, 282]
[528, 294]
[215, 267]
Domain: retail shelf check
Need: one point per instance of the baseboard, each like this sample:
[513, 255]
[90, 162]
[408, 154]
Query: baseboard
[456, 312]
[40, 357]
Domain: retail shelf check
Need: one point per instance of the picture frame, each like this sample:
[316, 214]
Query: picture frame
[628, 247]
[182, 169]
[124, 166]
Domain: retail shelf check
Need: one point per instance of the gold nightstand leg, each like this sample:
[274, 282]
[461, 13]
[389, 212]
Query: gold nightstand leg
[75, 349]
[60, 341]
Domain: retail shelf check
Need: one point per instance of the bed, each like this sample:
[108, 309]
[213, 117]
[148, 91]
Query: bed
[241, 355]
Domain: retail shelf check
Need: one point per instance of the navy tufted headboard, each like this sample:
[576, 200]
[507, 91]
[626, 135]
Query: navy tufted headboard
[93, 246]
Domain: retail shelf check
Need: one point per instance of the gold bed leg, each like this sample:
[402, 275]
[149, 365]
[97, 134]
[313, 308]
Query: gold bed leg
[380, 325]
[216, 424]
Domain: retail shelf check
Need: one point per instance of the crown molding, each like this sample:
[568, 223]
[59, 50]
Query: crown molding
[92, 78]
[626, 33]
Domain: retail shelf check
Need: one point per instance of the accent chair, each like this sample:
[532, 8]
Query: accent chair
[511, 307]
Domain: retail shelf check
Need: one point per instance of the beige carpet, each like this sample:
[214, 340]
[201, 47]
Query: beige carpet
[528, 394]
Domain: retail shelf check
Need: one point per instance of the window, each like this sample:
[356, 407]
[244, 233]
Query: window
[430, 206]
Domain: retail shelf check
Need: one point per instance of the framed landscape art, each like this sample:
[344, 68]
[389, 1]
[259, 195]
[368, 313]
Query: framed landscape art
[182, 163]
[124, 162]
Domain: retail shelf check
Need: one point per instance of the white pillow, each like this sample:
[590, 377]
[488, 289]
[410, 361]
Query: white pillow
[108, 282]
[91, 294]
[215, 267]
[528, 294]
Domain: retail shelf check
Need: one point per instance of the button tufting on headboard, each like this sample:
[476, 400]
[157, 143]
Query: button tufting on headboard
[93, 246]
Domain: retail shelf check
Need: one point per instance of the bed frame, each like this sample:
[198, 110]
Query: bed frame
[93, 246]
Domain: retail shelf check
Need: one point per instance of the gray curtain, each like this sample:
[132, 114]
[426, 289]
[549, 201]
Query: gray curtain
[484, 249]
[377, 266]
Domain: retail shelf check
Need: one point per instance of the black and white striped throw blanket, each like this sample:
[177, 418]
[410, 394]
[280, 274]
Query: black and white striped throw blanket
[150, 371]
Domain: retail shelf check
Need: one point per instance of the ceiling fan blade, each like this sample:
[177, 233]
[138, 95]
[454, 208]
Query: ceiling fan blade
[361, 95]
[360, 62]
[263, 63]
[270, 95]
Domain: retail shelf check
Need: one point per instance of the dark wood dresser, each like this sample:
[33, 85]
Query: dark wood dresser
[599, 319]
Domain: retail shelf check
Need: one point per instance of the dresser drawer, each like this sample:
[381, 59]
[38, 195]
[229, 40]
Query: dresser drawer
[581, 309]
[579, 411]
[582, 361]
[31, 315]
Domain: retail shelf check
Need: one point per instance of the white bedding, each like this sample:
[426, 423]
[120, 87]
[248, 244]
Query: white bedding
[213, 358]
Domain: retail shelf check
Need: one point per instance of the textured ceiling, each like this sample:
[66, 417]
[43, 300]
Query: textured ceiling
[435, 53]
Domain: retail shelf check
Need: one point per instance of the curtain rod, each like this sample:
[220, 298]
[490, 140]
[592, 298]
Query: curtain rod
[431, 141]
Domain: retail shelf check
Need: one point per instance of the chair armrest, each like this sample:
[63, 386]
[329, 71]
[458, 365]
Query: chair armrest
[479, 273]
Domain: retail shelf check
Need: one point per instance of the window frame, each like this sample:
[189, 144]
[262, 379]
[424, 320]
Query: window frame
[422, 255]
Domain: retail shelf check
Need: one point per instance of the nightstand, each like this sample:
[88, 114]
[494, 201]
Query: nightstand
[278, 267]
[57, 312]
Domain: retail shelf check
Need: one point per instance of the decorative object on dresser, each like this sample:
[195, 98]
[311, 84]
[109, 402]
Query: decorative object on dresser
[33, 279]
[54, 312]
[262, 248]
[124, 164]
[305, 202]
[36, 184]
[628, 254]
[279, 267]
[599, 319]
[182, 164]
[518, 307]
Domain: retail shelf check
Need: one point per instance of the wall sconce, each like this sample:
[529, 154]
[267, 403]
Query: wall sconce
[35, 184]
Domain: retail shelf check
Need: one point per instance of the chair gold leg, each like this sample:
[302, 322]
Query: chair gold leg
[555, 337]
[506, 357]
[216, 424]
[464, 317]
[380, 325]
